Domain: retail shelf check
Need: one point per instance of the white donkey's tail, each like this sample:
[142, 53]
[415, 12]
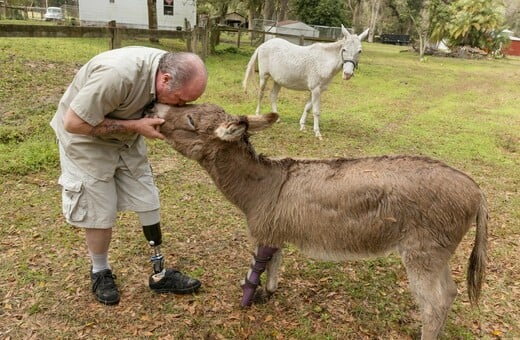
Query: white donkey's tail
[250, 69]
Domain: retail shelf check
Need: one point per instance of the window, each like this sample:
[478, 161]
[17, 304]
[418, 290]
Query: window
[168, 7]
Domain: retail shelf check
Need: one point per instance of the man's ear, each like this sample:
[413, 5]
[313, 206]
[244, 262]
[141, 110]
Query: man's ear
[165, 78]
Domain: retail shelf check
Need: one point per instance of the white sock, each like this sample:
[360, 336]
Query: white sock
[99, 262]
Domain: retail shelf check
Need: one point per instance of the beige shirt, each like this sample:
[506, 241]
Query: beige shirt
[116, 84]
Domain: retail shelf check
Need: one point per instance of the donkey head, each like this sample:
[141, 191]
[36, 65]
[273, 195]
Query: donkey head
[350, 51]
[198, 130]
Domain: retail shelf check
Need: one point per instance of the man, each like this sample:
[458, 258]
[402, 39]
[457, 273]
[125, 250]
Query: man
[100, 125]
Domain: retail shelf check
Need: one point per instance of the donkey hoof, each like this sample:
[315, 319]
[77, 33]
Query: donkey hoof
[257, 297]
[261, 296]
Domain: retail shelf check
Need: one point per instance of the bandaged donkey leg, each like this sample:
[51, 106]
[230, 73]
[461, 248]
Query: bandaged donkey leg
[261, 257]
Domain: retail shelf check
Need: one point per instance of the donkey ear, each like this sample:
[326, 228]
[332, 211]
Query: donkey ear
[345, 32]
[231, 131]
[260, 122]
[364, 34]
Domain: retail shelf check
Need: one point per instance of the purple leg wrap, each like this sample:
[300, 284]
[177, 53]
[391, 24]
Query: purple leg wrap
[262, 257]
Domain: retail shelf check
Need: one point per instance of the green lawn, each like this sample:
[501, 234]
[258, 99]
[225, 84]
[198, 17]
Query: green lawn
[464, 112]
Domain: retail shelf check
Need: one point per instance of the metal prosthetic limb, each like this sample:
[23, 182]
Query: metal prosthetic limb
[154, 237]
[260, 259]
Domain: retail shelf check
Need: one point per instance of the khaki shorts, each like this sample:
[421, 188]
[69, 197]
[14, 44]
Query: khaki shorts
[92, 203]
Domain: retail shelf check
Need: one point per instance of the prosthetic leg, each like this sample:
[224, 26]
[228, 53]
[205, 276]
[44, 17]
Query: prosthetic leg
[154, 237]
[166, 280]
[260, 259]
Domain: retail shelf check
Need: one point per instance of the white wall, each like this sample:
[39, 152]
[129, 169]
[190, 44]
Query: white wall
[134, 13]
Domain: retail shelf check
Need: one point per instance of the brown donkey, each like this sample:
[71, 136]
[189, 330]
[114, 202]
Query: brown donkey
[339, 209]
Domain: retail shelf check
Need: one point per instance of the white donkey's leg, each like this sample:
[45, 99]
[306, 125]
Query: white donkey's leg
[262, 83]
[272, 272]
[315, 96]
[306, 109]
[274, 96]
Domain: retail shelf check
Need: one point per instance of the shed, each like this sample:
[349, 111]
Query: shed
[514, 47]
[295, 28]
[235, 19]
[134, 13]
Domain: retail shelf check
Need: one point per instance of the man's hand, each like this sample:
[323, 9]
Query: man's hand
[149, 127]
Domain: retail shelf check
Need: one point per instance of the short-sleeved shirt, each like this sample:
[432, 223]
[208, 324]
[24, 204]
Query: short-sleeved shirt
[116, 84]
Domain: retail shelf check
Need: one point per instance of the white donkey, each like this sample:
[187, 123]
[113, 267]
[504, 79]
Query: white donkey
[304, 68]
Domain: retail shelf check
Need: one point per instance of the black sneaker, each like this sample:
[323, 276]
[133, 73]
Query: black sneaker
[173, 281]
[104, 287]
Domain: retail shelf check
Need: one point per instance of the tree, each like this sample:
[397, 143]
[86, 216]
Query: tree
[418, 12]
[324, 12]
[512, 15]
[152, 20]
[475, 23]
[356, 10]
[374, 14]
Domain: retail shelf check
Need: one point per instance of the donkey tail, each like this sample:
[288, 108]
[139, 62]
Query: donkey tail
[250, 69]
[478, 257]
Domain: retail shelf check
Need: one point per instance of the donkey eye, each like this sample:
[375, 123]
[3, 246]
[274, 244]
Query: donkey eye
[191, 123]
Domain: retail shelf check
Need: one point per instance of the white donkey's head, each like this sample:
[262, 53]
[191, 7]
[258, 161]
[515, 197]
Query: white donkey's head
[350, 51]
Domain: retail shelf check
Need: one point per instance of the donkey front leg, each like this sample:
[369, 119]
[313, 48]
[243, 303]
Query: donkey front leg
[261, 258]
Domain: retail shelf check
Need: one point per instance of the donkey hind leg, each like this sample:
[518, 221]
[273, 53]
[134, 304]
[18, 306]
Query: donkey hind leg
[262, 83]
[434, 289]
[306, 109]
[272, 272]
[261, 258]
[274, 96]
[315, 97]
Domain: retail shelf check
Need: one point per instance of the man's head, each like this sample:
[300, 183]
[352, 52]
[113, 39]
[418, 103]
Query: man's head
[181, 78]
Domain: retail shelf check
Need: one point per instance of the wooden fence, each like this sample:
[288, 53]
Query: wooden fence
[201, 40]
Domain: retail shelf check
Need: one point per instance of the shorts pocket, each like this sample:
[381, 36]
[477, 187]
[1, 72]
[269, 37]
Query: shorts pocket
[73, 200]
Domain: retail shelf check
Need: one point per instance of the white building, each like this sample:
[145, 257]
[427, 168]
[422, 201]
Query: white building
[171, 14]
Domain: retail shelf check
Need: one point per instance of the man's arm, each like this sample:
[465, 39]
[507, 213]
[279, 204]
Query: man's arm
[148, 127]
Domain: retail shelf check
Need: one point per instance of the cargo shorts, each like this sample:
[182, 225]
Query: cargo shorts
[89, 202]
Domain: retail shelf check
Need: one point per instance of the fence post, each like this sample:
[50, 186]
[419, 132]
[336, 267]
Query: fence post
[238, 38]
[115, 39]
[302, 40]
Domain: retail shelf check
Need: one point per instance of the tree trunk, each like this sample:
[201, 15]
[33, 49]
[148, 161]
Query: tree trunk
[375, 4]
[284, 6]
[357, 15]
[152, 20]
[255, 8]
[270, 10]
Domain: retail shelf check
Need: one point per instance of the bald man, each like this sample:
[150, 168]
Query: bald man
[101, 126]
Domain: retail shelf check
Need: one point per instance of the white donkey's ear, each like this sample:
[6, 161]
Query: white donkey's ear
[364, 34]
[231, 131]
[260, 122]
[345, 32]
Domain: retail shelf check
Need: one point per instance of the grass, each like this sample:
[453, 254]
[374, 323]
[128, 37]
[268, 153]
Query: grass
[464, 112]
